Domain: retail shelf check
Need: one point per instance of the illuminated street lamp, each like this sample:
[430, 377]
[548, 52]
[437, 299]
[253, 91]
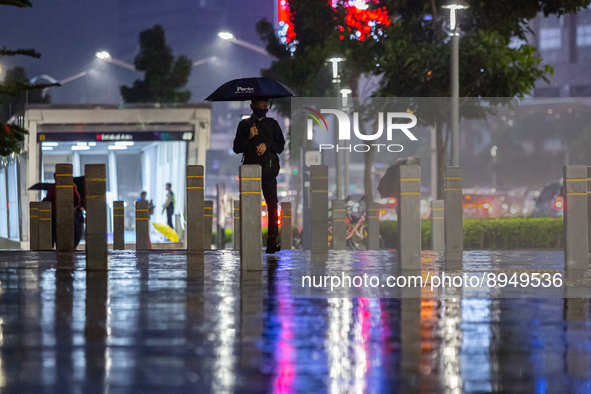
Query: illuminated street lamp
[226, 35]
[453, 6]
[106, 56]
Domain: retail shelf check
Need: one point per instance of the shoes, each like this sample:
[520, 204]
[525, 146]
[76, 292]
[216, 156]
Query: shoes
[272, 245]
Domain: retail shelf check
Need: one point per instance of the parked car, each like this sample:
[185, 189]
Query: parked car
[549, 203]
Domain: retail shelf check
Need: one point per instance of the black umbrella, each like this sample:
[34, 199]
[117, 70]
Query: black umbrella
[250, 89]
[388, 186]
[40, 186]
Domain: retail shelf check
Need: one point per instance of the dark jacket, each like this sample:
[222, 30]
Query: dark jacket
[270, 133]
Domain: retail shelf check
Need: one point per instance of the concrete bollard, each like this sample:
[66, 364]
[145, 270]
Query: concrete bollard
[142, 225]
[221, 216]
[409, 216]
[95, 181]
[251, 240]
[64, 209]
[575, 218]
[236, 230]
[118, 225]
[437, 225]
[195, 208]
[207, 224]
[319, 208]
[454, 227]
[34, 225]
[286, 226]
[45, 241]
[373, 226]
[588, 208]
[339, 224]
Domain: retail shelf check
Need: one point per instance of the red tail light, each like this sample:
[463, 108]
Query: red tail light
[558, 203]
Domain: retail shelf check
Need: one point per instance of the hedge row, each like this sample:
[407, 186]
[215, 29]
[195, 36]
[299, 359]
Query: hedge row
[493, 234]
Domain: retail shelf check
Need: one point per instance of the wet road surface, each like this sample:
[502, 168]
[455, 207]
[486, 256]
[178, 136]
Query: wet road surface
[165, 322]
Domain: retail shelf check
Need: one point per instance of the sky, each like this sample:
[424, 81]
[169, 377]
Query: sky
[68, 33]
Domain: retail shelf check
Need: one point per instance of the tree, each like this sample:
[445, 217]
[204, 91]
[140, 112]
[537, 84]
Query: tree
[14, 104]
[164, 77]
[411, 54]
[11, 135]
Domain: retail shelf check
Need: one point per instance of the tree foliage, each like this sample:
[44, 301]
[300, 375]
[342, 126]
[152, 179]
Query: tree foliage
[15, 86]
[411, 55]
[164, 77]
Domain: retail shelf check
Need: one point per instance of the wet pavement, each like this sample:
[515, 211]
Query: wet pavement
[165, 322]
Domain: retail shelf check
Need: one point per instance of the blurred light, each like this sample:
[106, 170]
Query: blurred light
[92, 144]
[104, 55]
[124, 143]
[550, 111]
[226, 35]
[486, 205]
[392, 201]
[78, 147]
[427, 18]
[504, 206]
[81, 143]
[46, 148]
[264, 203]
[524, 210]
[294, 171]
[245, 117]
[49, 144]
[467, 197]
[493, 151]
[493, 190]
[423, 202]
[116, 147]
[558, 204]
[360, 4]
[455, 5]
[383, 201]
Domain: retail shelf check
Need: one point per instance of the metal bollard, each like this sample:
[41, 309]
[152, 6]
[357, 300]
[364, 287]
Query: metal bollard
[319, 208]
[95, 184]
[286, 226]
[118, 225]
[195, 208]
[64, 209]
[409, 216]
[373, 226]
[45, 241]
[207, 224]
[251, 240]
[34, 225]
[454, 227]
[437, 225]
[339, 224]
[236, 230]
[142, 225]
[575, 218]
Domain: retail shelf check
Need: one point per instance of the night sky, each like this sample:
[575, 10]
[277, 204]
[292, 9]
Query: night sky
[68, 33]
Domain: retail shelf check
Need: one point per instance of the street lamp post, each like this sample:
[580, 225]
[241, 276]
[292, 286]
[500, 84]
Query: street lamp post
[345, 93]
[336, 80]
[453, 6]
[106, 56]
[226, 35]
[53, 80]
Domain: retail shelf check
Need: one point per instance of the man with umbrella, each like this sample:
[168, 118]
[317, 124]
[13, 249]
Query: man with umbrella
[260, 140]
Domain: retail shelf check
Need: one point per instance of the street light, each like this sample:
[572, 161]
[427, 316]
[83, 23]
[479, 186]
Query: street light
[453, 6]
[53, 80]
[203, 61]
[106, 56]
[226, 35]
[336, 80]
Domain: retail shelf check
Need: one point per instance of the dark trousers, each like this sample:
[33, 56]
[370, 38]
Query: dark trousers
[169, 212]
[269, 185]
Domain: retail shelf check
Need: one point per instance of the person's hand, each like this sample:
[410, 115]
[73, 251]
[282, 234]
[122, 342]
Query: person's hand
[253, 131]
[261, 148]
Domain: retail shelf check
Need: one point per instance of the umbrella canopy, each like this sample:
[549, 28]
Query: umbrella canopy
[40, 186]
[167, 231]
[388, 186]
[251, 89]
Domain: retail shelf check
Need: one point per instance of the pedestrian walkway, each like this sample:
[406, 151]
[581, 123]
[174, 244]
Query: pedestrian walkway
[165, 321]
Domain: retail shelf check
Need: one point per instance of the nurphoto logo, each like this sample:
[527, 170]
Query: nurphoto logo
[344, 129]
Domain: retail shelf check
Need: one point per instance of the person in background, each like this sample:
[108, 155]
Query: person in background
[51, 198]
[143, 196]
[169, 205]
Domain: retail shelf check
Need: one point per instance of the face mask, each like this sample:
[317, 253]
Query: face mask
[259, 113]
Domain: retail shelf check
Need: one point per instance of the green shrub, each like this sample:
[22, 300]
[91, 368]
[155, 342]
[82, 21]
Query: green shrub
[493, 234]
